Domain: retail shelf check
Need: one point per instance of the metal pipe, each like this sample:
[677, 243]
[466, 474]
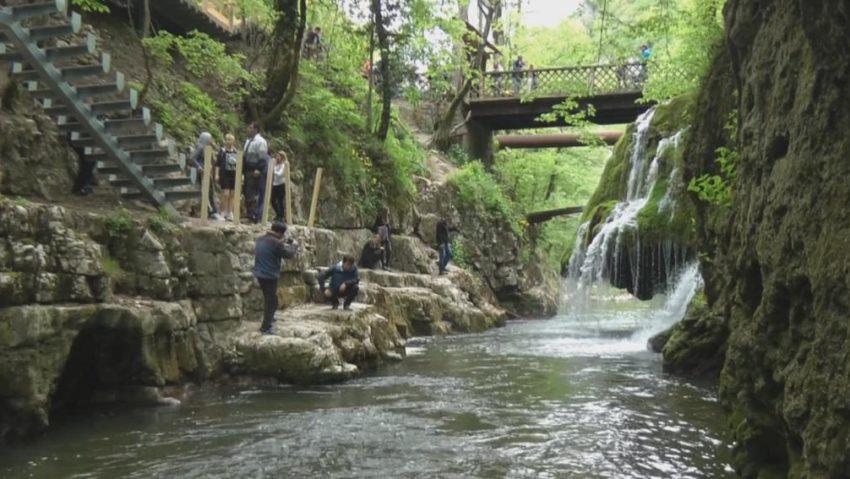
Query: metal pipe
[553, 140]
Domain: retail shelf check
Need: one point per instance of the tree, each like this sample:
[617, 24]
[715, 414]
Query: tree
[284, 59]
[381, 30]
[445, 126]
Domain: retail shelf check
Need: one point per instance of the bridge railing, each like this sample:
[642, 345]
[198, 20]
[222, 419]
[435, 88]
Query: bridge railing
[569, 81]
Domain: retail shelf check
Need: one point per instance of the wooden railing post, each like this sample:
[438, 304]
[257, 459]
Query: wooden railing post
[237, 192]
[288, 195]
[315, 202]
[205, 185]
[267, 194]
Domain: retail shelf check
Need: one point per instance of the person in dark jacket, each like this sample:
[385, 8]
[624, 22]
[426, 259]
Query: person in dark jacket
[85, 171]
[382, 229]
[372, 254]
[344, 282]
[444, 245]
[269, 251]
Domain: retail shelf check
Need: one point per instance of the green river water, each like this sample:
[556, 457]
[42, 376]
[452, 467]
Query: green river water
[571, 397]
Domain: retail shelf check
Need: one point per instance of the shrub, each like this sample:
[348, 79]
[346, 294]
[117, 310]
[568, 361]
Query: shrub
[478, 190]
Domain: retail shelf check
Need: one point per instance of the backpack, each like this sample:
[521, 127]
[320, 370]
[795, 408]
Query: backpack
[230, 159]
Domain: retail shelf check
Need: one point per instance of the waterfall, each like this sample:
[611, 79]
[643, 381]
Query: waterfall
[613, 254]
[685, 287]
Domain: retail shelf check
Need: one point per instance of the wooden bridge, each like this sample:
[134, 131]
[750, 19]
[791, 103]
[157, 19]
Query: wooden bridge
[514, 100]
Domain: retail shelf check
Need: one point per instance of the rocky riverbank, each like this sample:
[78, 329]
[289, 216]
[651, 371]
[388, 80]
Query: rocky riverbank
[98, 309]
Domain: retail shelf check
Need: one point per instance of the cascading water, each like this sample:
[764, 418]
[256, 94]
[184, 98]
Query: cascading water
[614, 254]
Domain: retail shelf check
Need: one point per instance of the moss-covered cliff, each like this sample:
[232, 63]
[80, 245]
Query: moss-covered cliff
[639, 206]
[775, 260]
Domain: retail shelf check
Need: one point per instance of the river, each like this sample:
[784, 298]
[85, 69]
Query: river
[577, 396]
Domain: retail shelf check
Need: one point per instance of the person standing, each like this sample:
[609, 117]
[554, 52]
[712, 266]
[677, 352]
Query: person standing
[204, 140]
[256, 160]
[519, 66]
[531, 80]
[313, 43]
[269, 251]
[444, 245]
[344, 283]
[381, 227]
[498, 74]
[227, 158]
[279, 185]
[85, 171]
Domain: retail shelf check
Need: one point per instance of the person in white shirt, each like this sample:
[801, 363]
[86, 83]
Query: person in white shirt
[256, 160]
[281, 163]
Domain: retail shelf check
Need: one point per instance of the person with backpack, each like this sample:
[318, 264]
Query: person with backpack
[226, 160]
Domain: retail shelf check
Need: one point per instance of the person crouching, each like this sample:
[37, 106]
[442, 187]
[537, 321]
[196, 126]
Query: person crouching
[344, 283]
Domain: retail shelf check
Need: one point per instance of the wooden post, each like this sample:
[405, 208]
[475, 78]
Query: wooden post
[237, 191]
[315, 201]
[205, 185]
[288, 195]
[267, 194]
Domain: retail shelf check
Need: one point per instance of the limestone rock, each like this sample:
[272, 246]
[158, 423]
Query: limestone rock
[316, 344]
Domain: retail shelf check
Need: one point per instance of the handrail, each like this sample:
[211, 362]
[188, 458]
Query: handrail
[583, 80]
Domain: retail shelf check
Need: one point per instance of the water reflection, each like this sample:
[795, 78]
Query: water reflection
[536, 399]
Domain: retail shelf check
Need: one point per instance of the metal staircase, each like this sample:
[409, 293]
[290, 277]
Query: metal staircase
[89, 104]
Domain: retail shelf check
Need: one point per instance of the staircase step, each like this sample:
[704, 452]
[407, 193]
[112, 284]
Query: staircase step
[21, 12]
[142, 142]
[140, 157]
[132, 194]
[137, 123]
[83, 71]
[51, 31]
[102, 107]
[161, 183]
[87, 91]
[72, 51]
[149, 170]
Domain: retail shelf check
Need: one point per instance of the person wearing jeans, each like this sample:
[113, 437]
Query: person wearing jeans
[269, 251]
[344, 282]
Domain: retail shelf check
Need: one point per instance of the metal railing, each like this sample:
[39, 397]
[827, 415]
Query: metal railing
[89, 103]
[568, 81]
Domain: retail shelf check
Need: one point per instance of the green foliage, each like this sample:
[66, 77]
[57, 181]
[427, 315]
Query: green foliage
[119, 223]
[716, 189]
[459, 253]
[190, 110]
[161, 222]
[478, 190]
[544, 179]
[21, 201]
[91, 6]
[204, 57]
[112, 268]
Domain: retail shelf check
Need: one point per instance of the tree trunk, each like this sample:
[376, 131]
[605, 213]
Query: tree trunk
[386, 81]
[282, 73]
[443, 133]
